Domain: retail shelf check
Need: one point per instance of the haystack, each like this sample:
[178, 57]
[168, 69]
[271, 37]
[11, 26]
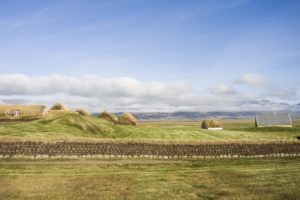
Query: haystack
[58, 106]
[127, 119]
[108, 117]
[83, 112]
[211, 124]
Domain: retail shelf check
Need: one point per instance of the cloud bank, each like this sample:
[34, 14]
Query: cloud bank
[125, 93]
[252, 79]
[87, 86]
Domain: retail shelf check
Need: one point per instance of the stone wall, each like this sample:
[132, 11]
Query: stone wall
[145, 149]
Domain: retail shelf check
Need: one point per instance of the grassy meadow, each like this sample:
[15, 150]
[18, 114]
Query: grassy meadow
[255, 178]
[75, 126]
[232, 178]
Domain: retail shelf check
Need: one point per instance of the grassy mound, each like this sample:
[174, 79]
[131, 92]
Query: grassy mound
[63, 126]
[68, 126]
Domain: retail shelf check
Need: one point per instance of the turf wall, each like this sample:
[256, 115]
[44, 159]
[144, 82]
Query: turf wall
[145, 149]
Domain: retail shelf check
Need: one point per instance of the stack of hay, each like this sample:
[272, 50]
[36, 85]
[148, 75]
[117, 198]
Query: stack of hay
[211, 124]
[127, 119]
[108, 117]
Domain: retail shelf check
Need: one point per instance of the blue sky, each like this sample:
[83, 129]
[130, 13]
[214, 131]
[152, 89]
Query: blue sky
[153, 55]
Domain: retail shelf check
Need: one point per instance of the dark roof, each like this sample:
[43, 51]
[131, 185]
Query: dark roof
[273, 120]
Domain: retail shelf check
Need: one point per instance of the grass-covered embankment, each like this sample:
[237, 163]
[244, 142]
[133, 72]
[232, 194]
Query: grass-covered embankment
[75, 126]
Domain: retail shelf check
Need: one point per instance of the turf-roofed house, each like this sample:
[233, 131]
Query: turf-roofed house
[81, 111]
[59, 107]
[127, 119]
[14, 112]
[108, 117]
[274, 120]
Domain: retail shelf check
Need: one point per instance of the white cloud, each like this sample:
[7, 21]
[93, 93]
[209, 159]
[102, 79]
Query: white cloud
[252, 79]
[223, 89]
[92, 91]
[87, 86]
[127, 94]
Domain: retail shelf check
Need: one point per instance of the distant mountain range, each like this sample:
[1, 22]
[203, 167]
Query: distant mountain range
[294, 110]
[203, 115]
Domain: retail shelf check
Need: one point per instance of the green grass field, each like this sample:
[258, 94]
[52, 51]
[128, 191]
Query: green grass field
[252, 178]
[74, 126]
[259, 178]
